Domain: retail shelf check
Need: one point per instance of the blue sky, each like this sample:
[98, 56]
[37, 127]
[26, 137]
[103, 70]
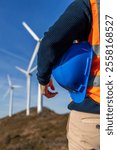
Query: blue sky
[16, 48]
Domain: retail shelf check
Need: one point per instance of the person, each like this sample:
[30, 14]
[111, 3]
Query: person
[80, 21]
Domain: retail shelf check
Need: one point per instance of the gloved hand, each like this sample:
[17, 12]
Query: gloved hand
[45, 91]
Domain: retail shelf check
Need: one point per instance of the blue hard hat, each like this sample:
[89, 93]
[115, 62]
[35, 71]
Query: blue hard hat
[73, 69]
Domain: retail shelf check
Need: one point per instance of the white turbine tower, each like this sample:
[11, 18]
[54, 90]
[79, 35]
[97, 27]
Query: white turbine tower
[39, 100]
[10, 91]
[28, 74]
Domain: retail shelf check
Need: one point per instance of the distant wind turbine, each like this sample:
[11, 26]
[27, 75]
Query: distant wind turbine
[10, 91]
[40, 97]
[28, 74]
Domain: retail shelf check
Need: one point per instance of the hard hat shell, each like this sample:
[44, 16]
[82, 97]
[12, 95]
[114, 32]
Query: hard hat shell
[73, 69]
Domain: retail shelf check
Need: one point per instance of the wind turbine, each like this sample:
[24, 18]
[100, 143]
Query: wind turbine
[40, 97]
[10, 91]
[28, 74]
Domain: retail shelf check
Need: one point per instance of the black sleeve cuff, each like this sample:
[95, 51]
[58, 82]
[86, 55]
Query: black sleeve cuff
[43, 80]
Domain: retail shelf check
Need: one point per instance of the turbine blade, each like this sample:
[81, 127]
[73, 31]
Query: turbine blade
[21, 70]
[33, 56]
[9, 80]
[33, 69]
[5, 95]
[30, 31]
[17, 86]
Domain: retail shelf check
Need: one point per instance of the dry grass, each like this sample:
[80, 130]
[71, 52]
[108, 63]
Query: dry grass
[46, 131]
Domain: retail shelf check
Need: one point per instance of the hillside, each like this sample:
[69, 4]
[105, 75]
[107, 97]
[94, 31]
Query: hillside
[44, 131]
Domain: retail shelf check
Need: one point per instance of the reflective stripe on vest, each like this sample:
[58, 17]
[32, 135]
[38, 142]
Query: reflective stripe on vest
[93, 89]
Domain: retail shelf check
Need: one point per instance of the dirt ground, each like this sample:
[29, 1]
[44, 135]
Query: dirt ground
[44, 131]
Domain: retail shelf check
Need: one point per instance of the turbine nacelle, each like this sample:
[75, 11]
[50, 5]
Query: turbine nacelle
[27, 72]
[11, 86]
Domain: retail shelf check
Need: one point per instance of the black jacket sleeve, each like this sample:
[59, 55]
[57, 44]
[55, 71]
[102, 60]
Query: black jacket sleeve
[75, 23]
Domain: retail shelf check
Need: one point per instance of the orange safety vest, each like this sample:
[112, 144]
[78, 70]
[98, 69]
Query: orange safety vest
[93, 89]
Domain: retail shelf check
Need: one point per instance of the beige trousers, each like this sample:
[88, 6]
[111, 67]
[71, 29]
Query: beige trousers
[83, 131]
